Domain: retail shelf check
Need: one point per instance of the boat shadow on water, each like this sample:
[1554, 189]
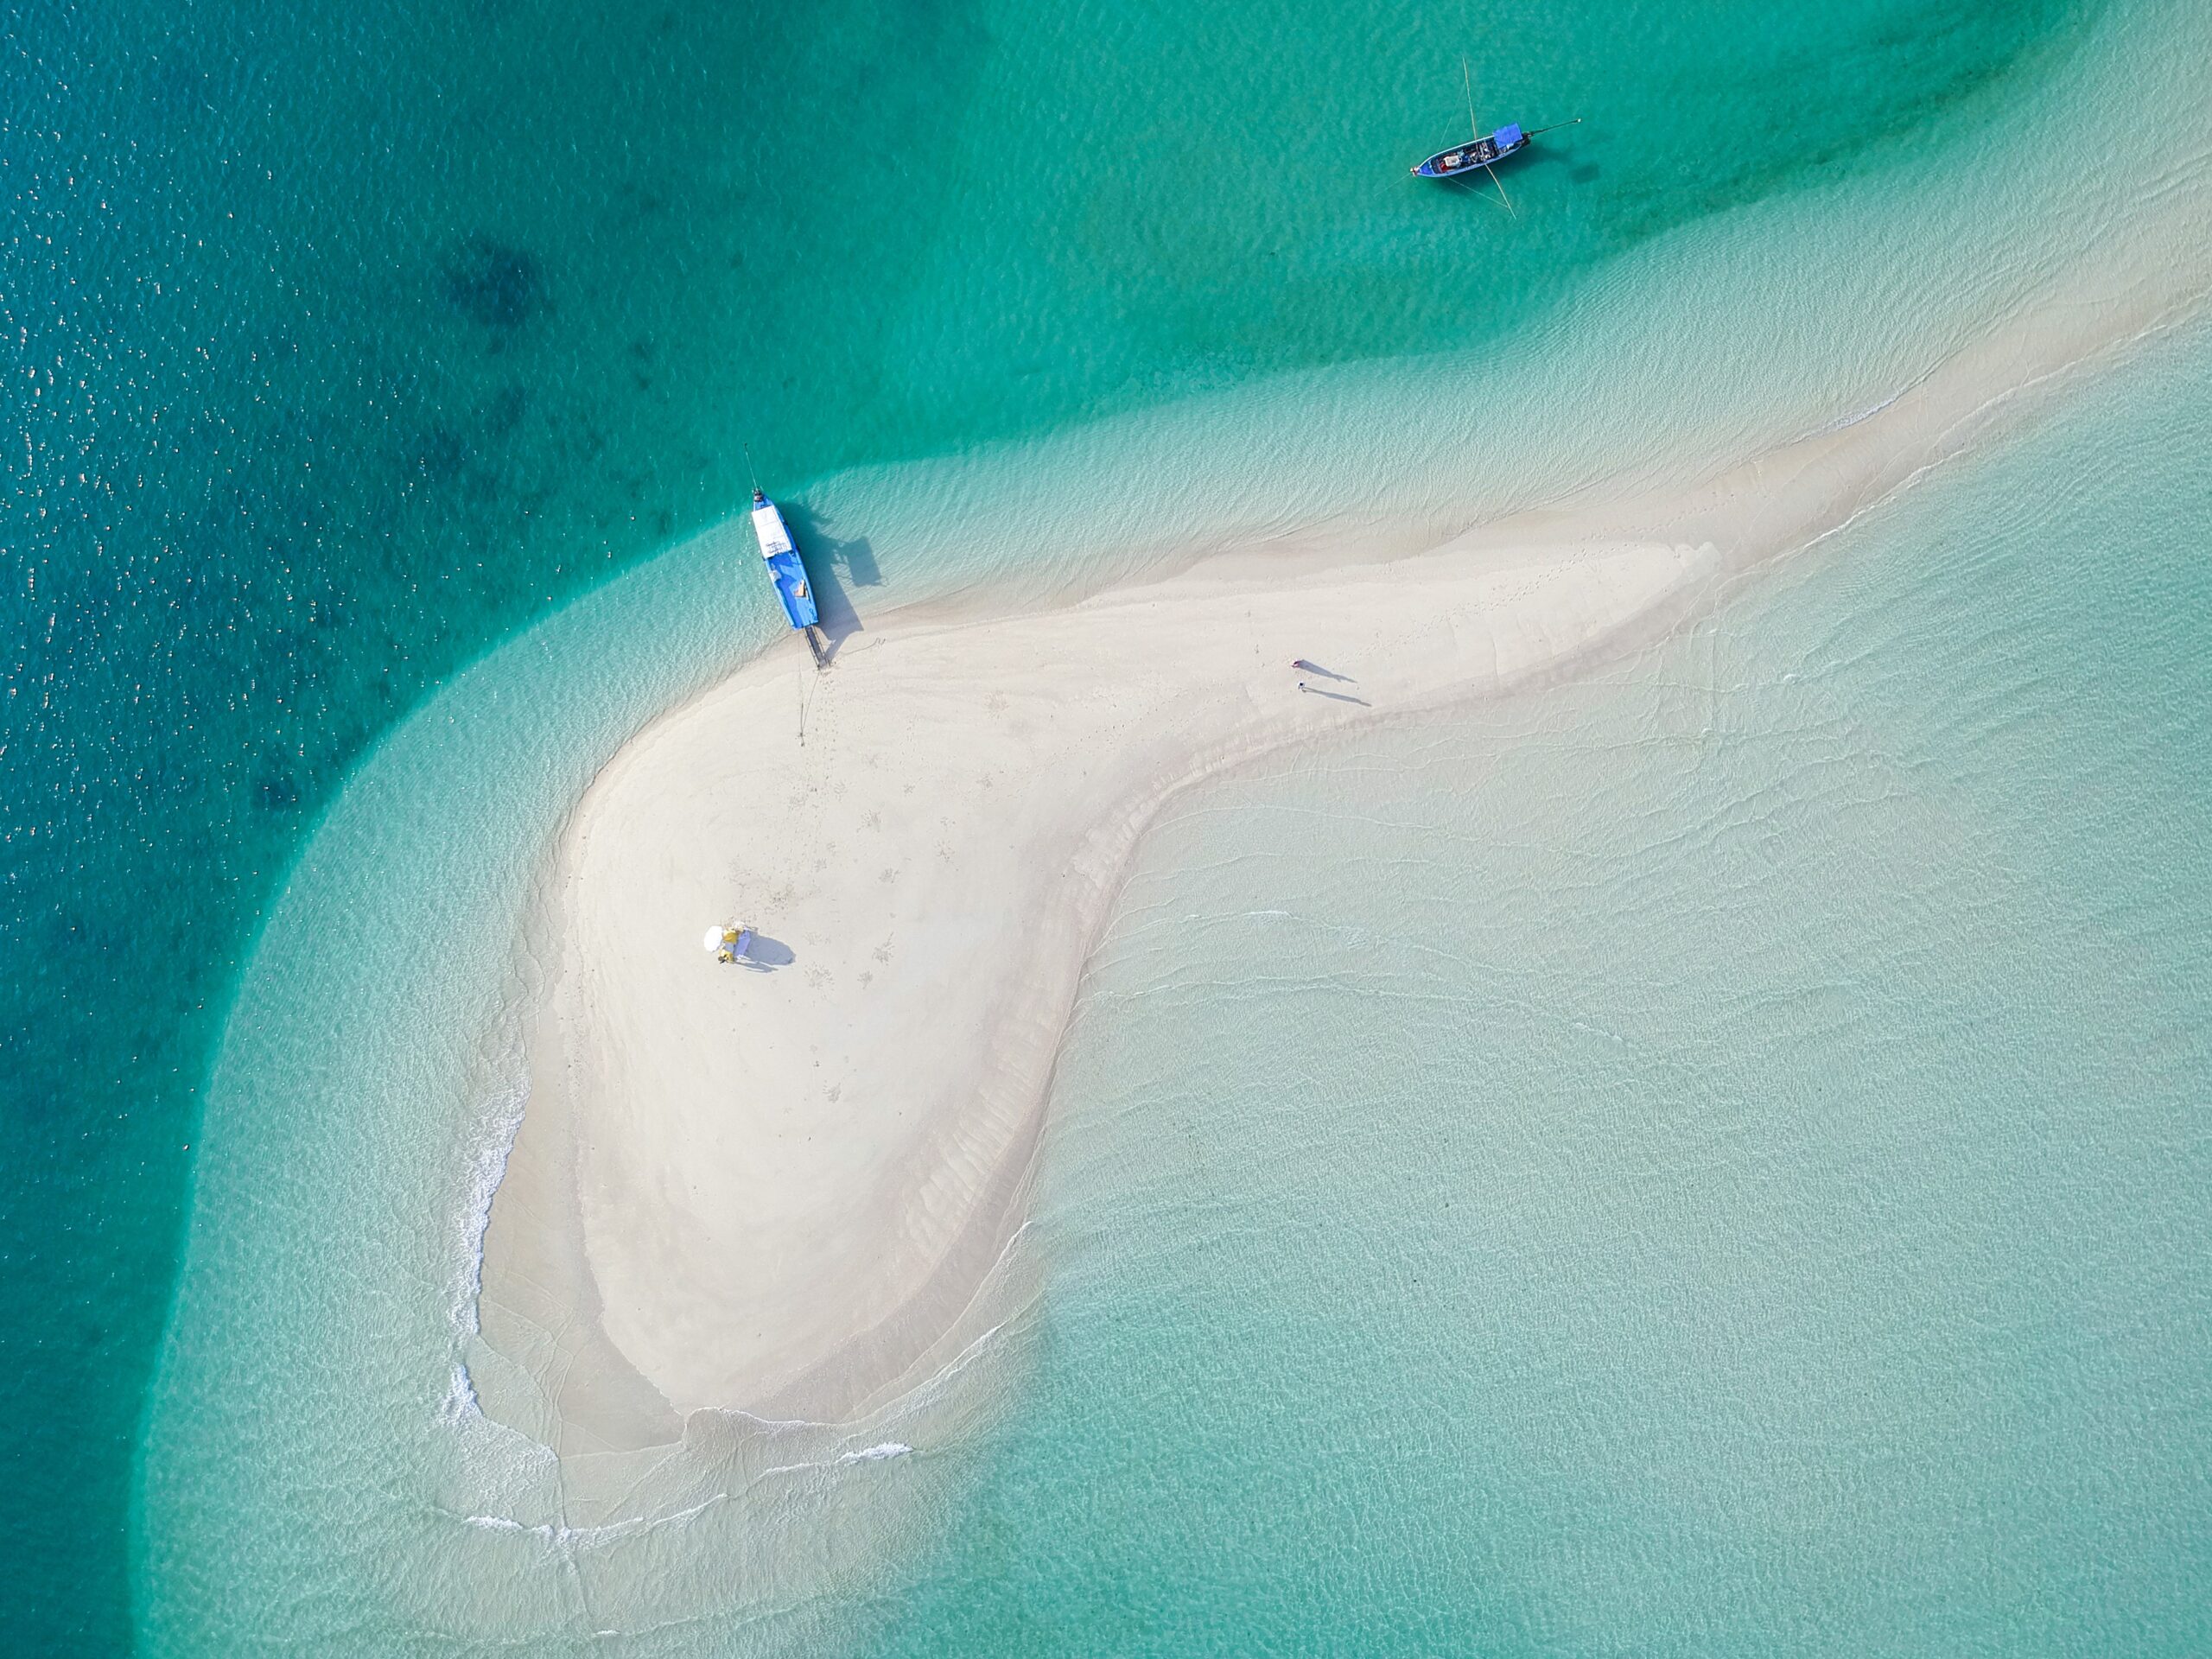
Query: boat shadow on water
[833, 565]
[1543, 160]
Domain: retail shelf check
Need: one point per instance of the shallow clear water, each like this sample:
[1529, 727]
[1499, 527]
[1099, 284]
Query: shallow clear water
[1708, 1159]
[351, 348]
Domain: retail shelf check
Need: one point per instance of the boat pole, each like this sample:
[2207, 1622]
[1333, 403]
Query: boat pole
[1475, 134]
[1556, 126]
[1502, 196]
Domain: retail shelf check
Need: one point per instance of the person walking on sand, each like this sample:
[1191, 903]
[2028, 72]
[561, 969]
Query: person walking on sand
[1303, 666]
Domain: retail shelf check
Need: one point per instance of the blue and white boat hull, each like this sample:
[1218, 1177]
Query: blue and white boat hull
[787, 571]
[1473, 157]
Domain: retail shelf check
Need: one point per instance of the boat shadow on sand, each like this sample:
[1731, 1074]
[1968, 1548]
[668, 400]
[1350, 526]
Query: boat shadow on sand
[833, 564]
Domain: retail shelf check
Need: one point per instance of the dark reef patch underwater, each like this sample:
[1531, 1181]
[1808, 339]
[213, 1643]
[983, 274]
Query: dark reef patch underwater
[345, 345]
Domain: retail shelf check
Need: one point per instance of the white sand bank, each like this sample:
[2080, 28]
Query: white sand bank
[775, 1192]
[773, 1167]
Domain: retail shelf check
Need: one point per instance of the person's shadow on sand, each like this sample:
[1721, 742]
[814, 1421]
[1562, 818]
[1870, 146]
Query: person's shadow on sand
[764, 954]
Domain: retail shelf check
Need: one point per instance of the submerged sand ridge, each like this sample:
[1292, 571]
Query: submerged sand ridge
[777, 1191]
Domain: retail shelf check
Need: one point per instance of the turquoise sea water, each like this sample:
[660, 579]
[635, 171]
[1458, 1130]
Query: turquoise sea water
[1710, 1158]
[348, 349]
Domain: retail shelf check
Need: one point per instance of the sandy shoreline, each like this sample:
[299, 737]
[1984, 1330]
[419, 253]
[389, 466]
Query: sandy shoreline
[777, 1191]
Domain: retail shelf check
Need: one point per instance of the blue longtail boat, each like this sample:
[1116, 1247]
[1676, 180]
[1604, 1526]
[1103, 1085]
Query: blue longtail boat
[1483, 150]
[788, 572]
[1465, 158]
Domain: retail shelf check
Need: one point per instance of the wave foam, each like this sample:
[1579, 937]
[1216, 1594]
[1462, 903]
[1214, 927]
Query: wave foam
[877, 1453]
[501, 1123]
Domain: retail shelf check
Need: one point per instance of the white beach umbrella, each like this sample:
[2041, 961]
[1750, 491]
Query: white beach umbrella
[714, 940]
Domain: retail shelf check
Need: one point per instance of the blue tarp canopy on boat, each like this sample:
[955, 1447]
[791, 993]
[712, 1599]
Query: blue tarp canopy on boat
[1507, 136]
[790, 577]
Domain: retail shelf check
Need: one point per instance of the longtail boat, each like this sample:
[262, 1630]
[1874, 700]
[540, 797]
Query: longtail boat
[788, 572]
[1483, 151]
[1465, 158]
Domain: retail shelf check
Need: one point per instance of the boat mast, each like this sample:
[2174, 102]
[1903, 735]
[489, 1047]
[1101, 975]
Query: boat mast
[1468, 76]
